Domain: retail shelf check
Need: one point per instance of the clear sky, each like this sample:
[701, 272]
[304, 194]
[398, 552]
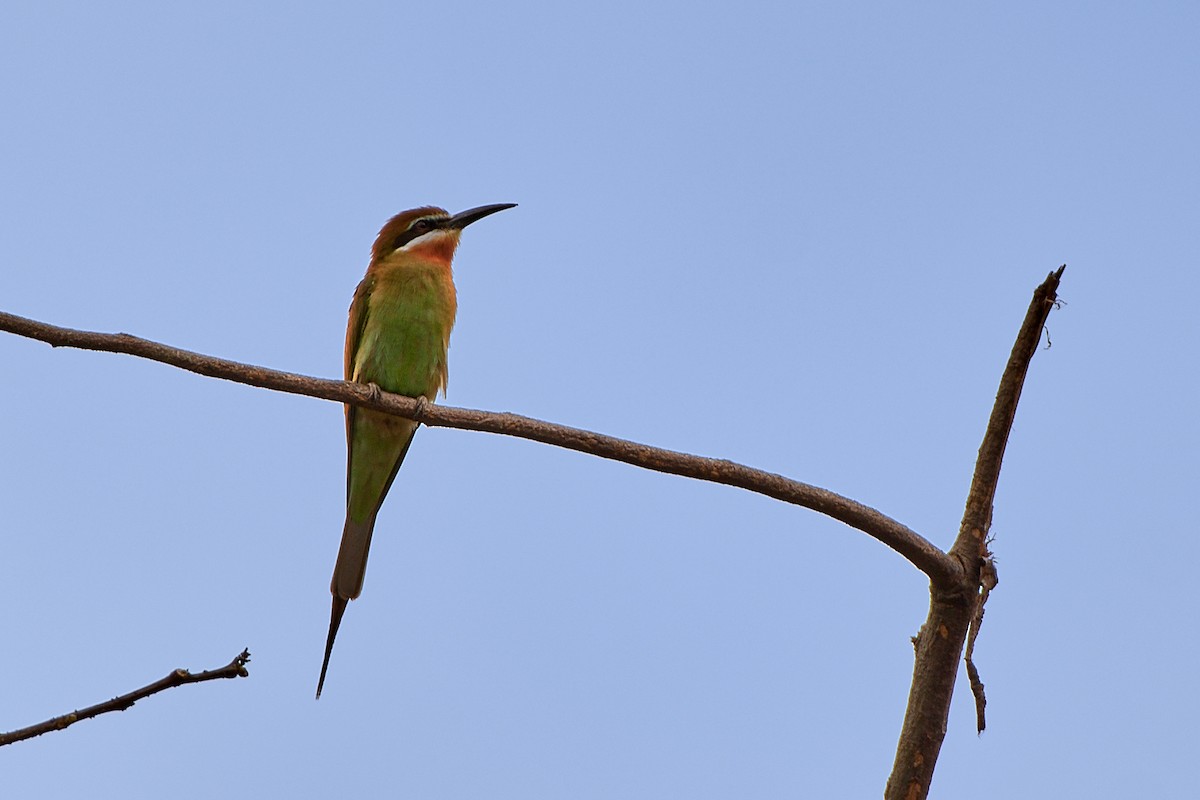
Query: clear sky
[801, 236]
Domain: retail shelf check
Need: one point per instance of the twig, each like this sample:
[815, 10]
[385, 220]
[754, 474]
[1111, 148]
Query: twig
[941, 569]
[988, 580]
[234, 669]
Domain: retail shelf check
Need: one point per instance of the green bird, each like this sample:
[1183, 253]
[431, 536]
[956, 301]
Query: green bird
[397, 338]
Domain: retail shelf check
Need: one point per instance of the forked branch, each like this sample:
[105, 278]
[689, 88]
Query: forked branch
[959, 579]
[954, 609]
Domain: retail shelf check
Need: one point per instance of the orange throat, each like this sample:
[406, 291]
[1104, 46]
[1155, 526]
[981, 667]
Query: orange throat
[436, 245]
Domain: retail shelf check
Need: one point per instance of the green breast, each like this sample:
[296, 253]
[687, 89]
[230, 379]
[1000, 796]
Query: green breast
[402, 347]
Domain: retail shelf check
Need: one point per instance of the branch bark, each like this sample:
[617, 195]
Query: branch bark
[941, 569]
[960, 579]
[179, 677]
[952, 607]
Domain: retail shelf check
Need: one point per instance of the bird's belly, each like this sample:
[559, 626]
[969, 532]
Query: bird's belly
[404, 350]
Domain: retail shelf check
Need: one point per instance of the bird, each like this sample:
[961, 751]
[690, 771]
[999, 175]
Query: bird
[396, 340]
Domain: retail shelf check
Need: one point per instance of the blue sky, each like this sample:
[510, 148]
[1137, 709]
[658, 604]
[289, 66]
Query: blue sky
[801, 236]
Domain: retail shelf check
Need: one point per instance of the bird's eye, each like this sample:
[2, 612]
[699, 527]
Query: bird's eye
[421, 225]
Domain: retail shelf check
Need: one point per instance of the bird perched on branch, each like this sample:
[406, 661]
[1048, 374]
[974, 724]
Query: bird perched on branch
[397, 338]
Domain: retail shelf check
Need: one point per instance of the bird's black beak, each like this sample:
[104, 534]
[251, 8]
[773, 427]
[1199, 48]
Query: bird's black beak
[464, 218]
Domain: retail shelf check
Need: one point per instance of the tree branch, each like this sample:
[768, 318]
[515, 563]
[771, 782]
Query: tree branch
[941, 569]
[960, 580]
[969, 547]
[953, 608]
[988, 581]
[234, 669]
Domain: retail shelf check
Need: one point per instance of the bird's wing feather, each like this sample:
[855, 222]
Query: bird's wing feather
[354, 328]
[358, 319]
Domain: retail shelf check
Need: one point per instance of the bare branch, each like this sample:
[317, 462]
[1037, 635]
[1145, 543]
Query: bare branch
[977, 518]
[941, 569]
[954, 607]
[234, 669]
[988, 580]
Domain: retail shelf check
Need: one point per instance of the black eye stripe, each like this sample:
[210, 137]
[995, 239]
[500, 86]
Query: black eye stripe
[417, 228]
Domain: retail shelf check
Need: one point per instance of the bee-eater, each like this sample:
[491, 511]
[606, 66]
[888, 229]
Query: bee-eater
[397, 337]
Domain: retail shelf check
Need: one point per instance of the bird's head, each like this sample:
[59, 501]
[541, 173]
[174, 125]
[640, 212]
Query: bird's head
[427, 231]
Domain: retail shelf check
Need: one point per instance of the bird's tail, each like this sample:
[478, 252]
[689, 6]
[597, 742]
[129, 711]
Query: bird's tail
[335, 619]
[347, 580]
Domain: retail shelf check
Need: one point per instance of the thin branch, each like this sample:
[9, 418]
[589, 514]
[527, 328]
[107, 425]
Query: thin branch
[977, 518]
[970, 547]
[954, 608]
[941, 569]
[234, 669]
[988, 580]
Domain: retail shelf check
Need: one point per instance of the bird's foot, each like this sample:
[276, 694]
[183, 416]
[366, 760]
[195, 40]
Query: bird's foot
[422, 407]
[374, 393]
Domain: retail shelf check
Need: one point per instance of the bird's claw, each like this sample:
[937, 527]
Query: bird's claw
[374, 393]
[422, 407]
